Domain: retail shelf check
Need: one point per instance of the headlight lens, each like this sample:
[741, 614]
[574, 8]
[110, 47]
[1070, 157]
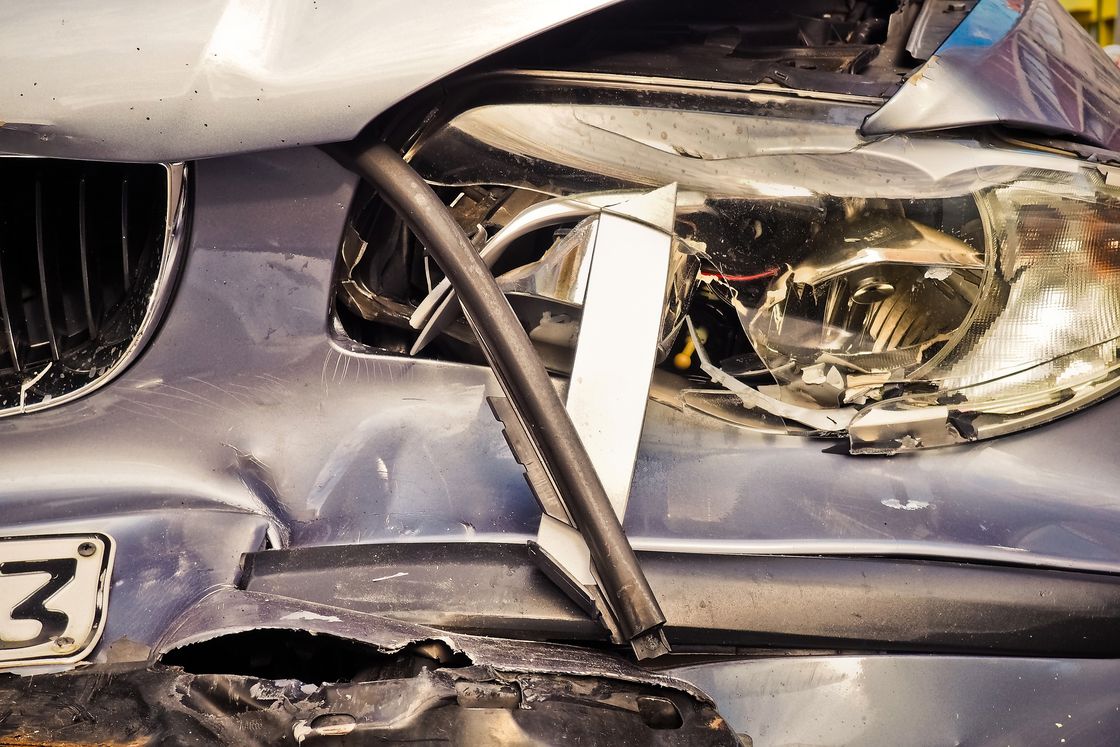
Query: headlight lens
[1041, 338]
[936, 342]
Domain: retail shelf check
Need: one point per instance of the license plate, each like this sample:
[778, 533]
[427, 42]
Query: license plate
[53, 594]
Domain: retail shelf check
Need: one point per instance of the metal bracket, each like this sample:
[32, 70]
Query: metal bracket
[614, 360]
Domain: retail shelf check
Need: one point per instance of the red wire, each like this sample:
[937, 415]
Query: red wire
[741, 278]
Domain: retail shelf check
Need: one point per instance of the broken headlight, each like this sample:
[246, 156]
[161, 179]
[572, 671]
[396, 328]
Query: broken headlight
[929, 341]
[1039, 339]
[904, 292]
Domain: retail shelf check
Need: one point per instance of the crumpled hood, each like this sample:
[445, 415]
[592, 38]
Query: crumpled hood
[167, 80]
[1027, 65]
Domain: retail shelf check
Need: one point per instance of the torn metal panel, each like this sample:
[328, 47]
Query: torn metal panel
[935, 21]
[229, 611]
[339, 675]
[1026, 65]
[163, 560]
[458, 706]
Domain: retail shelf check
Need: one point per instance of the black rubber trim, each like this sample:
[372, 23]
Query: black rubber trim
[864, 603]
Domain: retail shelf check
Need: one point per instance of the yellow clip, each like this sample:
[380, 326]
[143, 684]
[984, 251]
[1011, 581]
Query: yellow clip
[683, 359]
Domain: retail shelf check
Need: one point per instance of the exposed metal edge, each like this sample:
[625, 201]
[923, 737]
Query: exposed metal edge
[948, 551]
[662, 83]
[1009, 65]
[159, 299]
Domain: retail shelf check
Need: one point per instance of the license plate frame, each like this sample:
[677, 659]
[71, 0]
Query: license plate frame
[54, 594]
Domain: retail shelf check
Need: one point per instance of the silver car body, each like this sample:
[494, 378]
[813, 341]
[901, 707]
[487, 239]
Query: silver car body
[244, 424]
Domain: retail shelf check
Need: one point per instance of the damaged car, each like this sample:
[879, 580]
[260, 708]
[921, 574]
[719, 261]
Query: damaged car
[622, 372]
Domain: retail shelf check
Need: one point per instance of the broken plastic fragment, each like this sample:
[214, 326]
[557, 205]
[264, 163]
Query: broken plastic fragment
[882, 430]
[561, 273]
[877, 292]
[26, 385]
[823, 420]
[992, 408]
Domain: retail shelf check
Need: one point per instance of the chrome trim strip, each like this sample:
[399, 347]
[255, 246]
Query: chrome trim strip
[880, 548]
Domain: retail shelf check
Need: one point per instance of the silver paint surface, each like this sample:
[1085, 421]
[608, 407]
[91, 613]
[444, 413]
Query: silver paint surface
[243, 418]
[914, 700]
[167, 80]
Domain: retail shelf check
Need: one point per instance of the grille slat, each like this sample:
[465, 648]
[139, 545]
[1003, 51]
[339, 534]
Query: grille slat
[82, 246]
[124, 234]
[88, 277]
[45, 282]
[6, 310]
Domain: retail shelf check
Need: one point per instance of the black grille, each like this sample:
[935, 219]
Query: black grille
[74, 239]
[80, 247]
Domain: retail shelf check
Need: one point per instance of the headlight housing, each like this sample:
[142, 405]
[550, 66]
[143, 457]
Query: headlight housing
[904, 292]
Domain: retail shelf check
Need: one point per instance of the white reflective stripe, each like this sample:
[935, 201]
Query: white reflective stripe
[617, 348]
